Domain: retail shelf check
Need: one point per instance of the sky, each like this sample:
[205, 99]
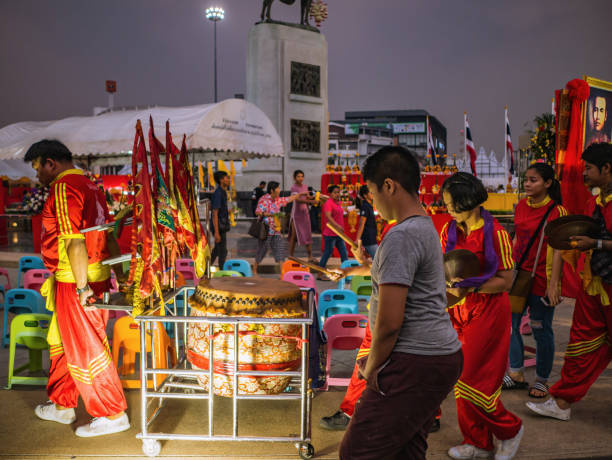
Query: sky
[443, 56]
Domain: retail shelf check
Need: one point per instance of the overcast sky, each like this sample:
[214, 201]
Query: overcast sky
[444, 56]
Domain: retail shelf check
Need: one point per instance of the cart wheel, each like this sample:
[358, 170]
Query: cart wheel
[306, 450]
[151, 447]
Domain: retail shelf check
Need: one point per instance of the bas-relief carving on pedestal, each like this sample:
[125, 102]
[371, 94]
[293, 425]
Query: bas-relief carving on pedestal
[305, 136]
[305, 79]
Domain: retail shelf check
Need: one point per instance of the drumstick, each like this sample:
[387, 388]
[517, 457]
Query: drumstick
[310, 265]
[338, 231]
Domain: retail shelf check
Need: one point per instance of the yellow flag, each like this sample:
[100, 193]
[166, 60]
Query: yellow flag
[201, 174]
[232, 174]
[244, 163]
[211, 176]
[221, 166]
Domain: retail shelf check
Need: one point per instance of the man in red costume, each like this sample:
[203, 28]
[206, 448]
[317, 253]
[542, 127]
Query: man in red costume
[81, 363]
[589, 350]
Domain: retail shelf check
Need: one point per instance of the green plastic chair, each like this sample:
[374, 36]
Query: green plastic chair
[362, 286]
[222, 273]
[29, 329]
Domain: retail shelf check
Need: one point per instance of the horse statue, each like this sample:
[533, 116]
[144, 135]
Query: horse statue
[304, 6]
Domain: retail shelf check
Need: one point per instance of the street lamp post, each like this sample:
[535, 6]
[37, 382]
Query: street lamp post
[215, 14]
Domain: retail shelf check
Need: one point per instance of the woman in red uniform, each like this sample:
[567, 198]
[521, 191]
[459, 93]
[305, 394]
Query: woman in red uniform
[482, 320]
[543, 202]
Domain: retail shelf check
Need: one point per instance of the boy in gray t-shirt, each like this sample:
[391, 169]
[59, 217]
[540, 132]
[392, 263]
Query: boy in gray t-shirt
[415, 357]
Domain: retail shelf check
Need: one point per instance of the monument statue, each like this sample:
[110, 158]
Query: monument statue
[304, 11]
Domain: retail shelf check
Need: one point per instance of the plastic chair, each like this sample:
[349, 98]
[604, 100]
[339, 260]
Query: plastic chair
[223, 273]
[301, 279]
[7, 286]
[20, 301]
[29, 330]
[344, 332]
[187, 269]
[291, 266]
[336, 301]
[362, 286]
[238, 265]
[126, 340]
[344, 282]
[34, 279]
[27, 263]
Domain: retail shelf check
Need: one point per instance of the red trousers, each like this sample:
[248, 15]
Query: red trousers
[483, 326]
[589, 351]
[82, 365]
[357, 385]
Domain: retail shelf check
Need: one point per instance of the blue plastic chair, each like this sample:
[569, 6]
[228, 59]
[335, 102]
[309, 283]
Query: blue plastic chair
[180, 302]
[20, 301]
[238, 265]
[335, 301]
[344, 282]
[27, 263]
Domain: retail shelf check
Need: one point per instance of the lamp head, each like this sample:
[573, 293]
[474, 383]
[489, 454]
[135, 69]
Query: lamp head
[215, 13]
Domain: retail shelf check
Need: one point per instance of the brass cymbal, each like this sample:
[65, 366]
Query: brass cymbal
[461, 263]
[560, 230]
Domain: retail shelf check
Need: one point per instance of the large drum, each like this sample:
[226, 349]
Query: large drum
[274, 347]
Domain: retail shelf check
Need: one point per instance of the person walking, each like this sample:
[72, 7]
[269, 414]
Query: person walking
[220, 223]
[589, 350]
[543, 203]
[482, 322]
[268, 208]
[81, 363]
[299, 228]
[258, 192]
[366, 233]
[332, 212]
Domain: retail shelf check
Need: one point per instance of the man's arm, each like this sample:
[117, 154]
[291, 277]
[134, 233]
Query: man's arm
[362, 222]
[215, 220]
[389, 319]
[79, 259]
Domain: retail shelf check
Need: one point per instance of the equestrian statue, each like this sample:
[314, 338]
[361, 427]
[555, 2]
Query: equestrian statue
[304, 6]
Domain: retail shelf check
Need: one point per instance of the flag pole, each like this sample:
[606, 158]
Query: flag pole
[465, 152]
[505, 143]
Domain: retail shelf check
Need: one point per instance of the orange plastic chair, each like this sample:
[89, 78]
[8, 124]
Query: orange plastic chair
[126, 339]
[291, 266]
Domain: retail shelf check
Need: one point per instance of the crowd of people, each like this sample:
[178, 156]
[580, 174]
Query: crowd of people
[417, 348]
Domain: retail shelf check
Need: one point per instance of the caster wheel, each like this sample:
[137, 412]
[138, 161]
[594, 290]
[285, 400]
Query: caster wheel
[151, 447]
[306, 450]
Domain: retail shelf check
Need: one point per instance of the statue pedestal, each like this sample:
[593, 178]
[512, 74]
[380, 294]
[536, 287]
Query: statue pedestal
[287, 79]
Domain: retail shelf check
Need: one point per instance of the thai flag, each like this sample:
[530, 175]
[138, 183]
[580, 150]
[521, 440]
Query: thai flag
[431, 150]
[509, 149]
[469, 145]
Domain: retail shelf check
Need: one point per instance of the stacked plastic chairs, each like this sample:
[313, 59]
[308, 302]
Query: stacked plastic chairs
[34, 278]
[20, 301]
[238, 265]
[344, 332]
[291, 266]
[27, 263]
[336, 301]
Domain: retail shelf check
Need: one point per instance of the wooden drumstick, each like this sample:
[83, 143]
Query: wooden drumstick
[311, 265]
[338, 231]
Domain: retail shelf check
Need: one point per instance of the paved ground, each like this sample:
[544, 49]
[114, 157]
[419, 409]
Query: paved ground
[22, 436]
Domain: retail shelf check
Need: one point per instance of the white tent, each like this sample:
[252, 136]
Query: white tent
[231, 129]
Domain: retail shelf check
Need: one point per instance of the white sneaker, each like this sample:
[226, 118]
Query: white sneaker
[48, 411]
[549, 408]
[508, 447]
[100, 426]
[468, 452]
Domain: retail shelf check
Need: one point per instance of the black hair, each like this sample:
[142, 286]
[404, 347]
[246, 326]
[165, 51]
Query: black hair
[546, 172]
[219, 175]
[272, 185]
[332, 187]
[262, 183]
[361, 196]
[396, 163]
[48, 149]
[466, 191]
[296, 172]
[598, 154]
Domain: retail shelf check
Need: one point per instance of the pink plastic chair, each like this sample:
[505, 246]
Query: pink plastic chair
[34, 278]
[187, 269]
[303, 280]
[344, 332]
[4, 288]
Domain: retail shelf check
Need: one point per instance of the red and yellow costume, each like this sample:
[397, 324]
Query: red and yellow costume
[589, 351]
[482, 322]
[81, 363]
[527, 216]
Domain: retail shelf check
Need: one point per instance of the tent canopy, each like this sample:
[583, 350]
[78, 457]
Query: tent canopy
[232, 129]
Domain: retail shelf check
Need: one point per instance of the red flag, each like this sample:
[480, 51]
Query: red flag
[469, 145]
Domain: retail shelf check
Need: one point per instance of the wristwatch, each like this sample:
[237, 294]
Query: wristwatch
[80, 291]
[599, 244]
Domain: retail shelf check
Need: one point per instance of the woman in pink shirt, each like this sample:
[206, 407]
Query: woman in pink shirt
[332, 212]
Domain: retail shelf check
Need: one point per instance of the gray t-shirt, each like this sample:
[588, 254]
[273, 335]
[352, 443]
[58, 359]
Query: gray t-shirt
[410, 255]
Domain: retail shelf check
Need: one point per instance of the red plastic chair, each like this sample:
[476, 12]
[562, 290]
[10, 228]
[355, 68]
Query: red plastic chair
[344, 332]
[187, 269]
[34, 278]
